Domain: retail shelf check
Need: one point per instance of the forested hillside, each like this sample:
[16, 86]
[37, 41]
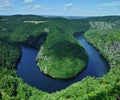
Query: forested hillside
[33, 30]
[59, 51]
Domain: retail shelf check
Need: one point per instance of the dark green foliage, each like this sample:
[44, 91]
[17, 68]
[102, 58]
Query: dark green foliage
[59, 30]
[104, 18]
[61, 56]
[12, 87]
[108, 42]
[37, 40]
[64, 60]
[60, 45]
[61, 50]
[9, 55]
[13, 28]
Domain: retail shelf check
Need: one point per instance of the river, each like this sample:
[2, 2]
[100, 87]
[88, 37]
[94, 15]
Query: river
[30, 73]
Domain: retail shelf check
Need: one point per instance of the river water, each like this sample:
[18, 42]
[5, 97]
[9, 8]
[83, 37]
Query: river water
[30, 73]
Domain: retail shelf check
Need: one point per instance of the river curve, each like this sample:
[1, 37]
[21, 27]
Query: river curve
[29, 71]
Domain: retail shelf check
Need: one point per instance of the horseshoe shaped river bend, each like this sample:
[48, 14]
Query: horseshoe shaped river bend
[30, 73]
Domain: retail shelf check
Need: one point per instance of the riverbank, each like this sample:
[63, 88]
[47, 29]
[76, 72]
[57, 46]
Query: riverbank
[89, 88]
[70, 91]
[64, 61]
[27, 66]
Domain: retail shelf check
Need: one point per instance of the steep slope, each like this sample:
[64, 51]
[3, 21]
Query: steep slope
[60, 56]
[106, 40]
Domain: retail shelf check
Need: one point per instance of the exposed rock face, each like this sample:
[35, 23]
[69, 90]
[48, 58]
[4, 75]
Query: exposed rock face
[114, 53]
[101, 25]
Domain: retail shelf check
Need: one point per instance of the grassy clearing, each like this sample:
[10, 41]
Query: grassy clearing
[34, 22]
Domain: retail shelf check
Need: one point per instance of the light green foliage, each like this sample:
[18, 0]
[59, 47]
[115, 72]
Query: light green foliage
[58, 43]
[105, 40]
[108, 42]
[12, 87]
[64, 60]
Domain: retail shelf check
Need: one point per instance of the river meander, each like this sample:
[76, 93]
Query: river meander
[30, 73]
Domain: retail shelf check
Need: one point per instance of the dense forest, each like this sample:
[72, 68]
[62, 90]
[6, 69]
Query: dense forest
[56, 37]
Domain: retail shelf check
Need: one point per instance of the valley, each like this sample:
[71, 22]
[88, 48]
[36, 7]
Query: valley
[60, 56]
